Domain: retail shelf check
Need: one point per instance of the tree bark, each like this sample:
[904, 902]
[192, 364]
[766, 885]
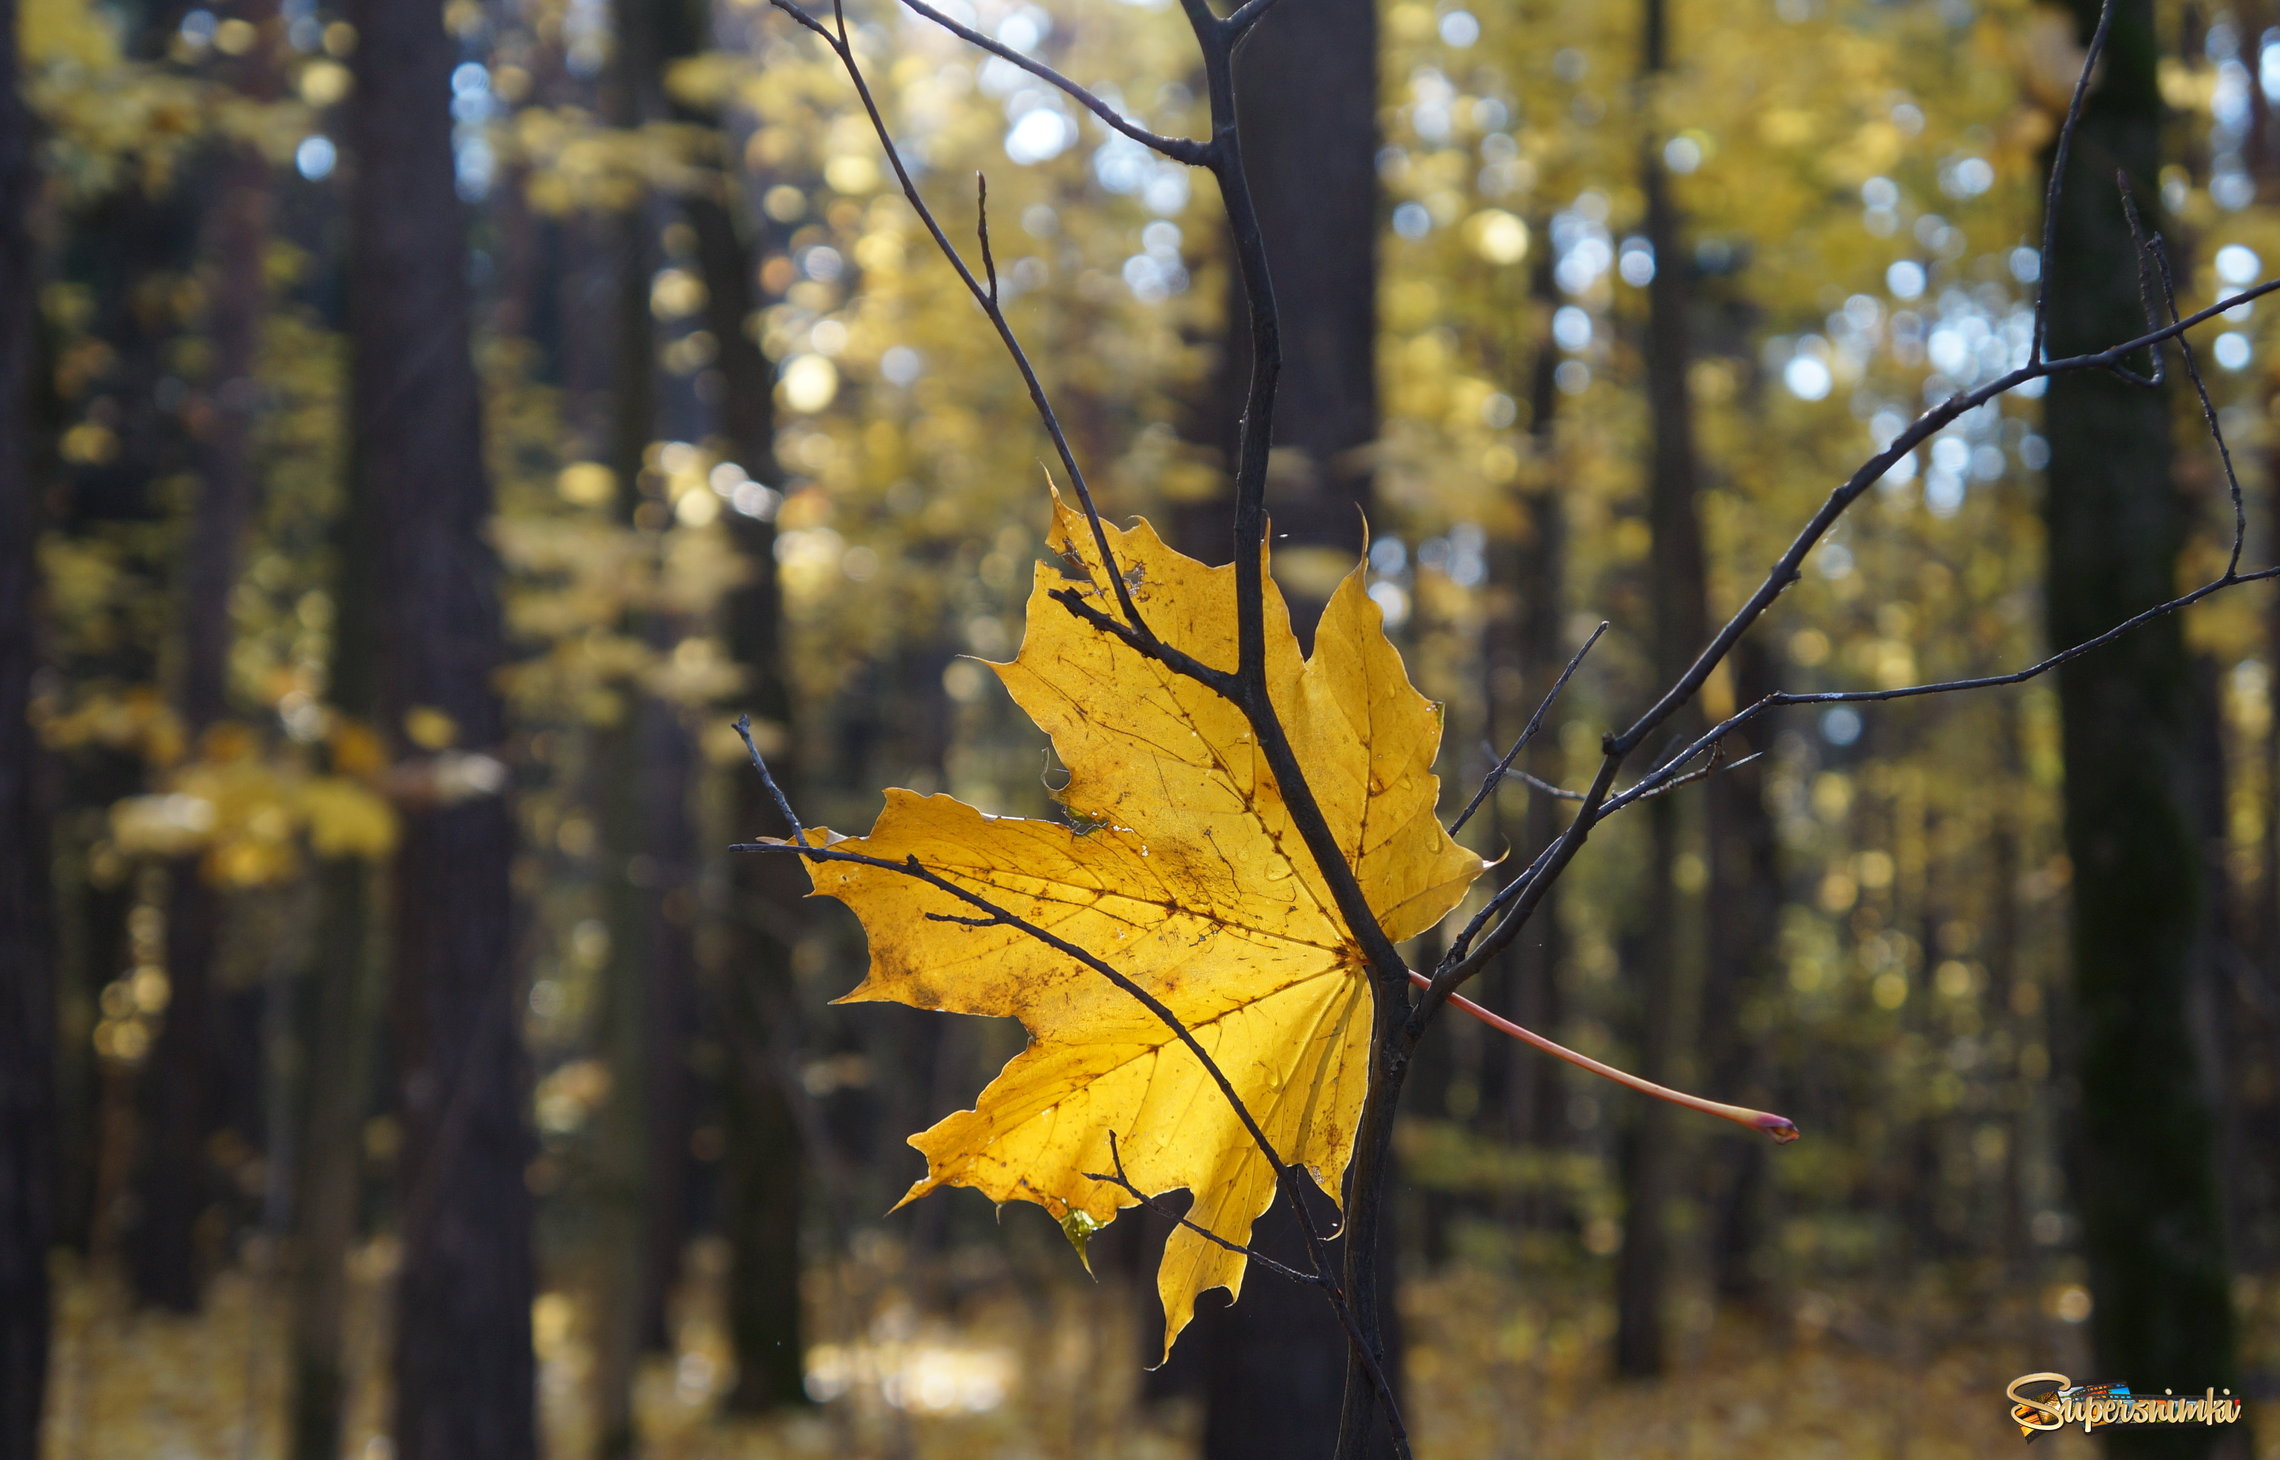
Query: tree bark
[27, 1009]
[1678, 594]
[463, 1364]
[2143, 1133]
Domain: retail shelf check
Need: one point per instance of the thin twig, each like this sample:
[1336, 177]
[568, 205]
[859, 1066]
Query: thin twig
[1649, 784]
[982, 231]
[2143, 248]
[1539, 784]
[2159, 254]
[986, 298]
[768, 781]
[1528, 733]
[1179, 149]
[1124, 1184]
[1780, 1127]
[1247, 15]
[2058, 176]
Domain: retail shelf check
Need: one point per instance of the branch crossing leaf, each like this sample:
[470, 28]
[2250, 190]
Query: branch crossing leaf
[1183, 871]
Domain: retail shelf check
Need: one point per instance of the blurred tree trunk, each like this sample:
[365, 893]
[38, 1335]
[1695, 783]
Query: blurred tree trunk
[347, 981]
[1678, 594]
[463, 1368]
[622, 1138]
[1306, 90]
[1531, 1085]
[621, 1141]
[766, 1161]
[27, 1009]
[764, 1178]
[2248, 997]
[1744, 915]
[2256, 993]
[175, 1183]
[2006, 977]
[339, 1065]
[129, 251]
[2143, 1138]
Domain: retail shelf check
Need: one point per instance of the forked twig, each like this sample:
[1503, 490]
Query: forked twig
[986, 297]
[1528, 733]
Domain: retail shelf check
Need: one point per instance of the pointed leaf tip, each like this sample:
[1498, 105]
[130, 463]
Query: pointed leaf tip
[1078, 1226]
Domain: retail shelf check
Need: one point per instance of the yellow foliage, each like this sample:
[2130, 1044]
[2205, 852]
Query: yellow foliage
[1184, 871]
[346, 818]
[49, 32]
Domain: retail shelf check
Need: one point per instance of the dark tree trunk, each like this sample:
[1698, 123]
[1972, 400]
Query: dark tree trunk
[346, 990]
[1744, 928]
[669, 757]
[621, 1134]
[463, 1364]
[27, 1007]
[2143, 1133]
[766, 1161]
[171, 1179]
[347, 985]
[1263, 1398]
[180, 1094]
[1306, 90]
[1538, 569]
[1678, 594]
[2256, 1010]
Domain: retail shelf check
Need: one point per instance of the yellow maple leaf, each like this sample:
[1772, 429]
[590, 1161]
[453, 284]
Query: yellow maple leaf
[1185, 873]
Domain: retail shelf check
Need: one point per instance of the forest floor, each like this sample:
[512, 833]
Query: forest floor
[1050, 1371]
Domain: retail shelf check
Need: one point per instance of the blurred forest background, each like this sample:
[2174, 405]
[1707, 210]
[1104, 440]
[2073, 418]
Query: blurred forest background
[429, 429]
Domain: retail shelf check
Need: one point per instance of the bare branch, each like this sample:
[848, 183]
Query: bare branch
[2144, 253]
[1780, 1127]
[985, 297]
[1535, 723]
[2058, 173]
[1652, 783]
[1177, 660]
[775, 792]
[1179, 149]
[1788, 568]
[1539, 784]
[982, 232]
[1247, 15]
[2158, 253]
[1124, 1184]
